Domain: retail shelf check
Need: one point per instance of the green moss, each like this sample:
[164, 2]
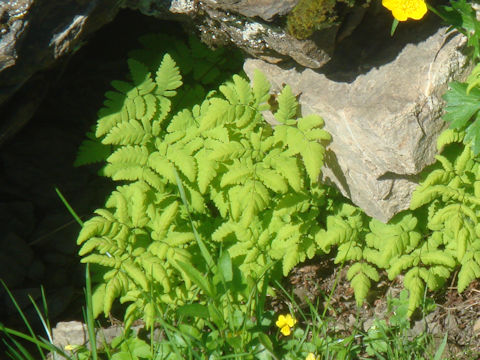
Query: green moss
[311, 15]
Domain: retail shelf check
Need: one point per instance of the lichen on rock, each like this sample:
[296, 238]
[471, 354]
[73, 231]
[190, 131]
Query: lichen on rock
[312, 15]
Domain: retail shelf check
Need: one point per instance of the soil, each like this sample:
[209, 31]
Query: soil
[458, 315]
[40, 158]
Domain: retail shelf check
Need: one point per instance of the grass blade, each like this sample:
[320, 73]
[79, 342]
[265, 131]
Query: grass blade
[46, 327]
[203, 249]
[441, 348]
[69, 208]
[197, 278]
[40, 344]
[22, 315]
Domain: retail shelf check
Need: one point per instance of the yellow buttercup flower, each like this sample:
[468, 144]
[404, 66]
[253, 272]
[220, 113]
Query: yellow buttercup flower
[404, 9]
[285, 324]
[311, 356]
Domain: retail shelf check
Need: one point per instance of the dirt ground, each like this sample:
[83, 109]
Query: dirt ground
[457, 315]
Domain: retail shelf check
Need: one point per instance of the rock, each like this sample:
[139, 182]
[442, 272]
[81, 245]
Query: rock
[34, 35]
[265, 9]
[384, 116]
[12, 26]
[246, 24]
[75, 333]
[69, 333]
[266, 41]
[164, 9]
[38, 34]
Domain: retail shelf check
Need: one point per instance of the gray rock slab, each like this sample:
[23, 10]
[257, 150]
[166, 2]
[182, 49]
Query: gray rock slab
[384, 122]
[76, 333]
[265, 9]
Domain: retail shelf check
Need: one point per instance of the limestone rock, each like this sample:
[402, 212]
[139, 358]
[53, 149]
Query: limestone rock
[244, 24]
[266, 9]
[164, 9]
[384, 119]
[11, 28]
[266, 41]
[76, 333]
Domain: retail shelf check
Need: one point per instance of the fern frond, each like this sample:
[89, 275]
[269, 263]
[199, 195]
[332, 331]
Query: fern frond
[97, 226]
[98, 295]
[399, 264]
[463, 161]
[184, 161]
[155, 267]
[392, 240]
[349, 251]
[113, 289]
[260, 88]
[287, 166]
[438, 257]
[248, 200]
[239, 173]
[127, 133]
[207, 169]
[162, 166]
[360, 275]
[469, 271]
[303, 140]
[139, 72]
[271, 179]
[91, 151]
[136, 274]
[431, 278]
[237, 92]
[167, 77]
[449, 136]
[103, 260]
[416, 288]
[287, 106]
[162, 221]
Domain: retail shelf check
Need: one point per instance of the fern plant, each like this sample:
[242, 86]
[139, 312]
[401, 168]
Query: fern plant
[254, 187]
[427, 243]
[253, 191]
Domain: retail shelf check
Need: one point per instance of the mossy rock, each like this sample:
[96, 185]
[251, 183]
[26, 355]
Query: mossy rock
[309, 16]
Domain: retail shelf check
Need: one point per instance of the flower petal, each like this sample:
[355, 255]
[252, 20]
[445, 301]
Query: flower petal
[281, 322]
[285, 330]
[405, 9]
[289, 320]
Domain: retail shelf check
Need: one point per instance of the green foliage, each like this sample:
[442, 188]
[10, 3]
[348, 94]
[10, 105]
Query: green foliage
[252, 191]
[451, 195]
[463, 101]
[251, 188]
[462, 16]
[389, 338]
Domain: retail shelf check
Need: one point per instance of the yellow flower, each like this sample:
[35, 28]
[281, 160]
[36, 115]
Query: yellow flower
[311, 356]
[285, 323]
[404, 9]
